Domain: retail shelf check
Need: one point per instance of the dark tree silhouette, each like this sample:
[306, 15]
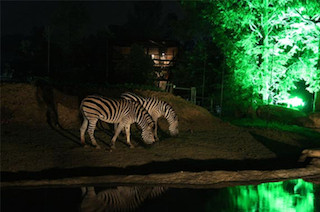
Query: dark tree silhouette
[137, 67]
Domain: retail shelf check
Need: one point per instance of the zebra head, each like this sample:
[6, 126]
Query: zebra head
[148, 134]
[173, 128]
[146, 123]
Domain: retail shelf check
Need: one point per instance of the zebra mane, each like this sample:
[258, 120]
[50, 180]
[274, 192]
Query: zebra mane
[139, 108]
[166, 107]
[133, 96]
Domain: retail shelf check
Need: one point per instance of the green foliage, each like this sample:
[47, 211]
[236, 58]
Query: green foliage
[269, 45]
[293, 195]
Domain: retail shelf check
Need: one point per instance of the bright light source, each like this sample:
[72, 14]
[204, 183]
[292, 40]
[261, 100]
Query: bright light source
[295, 102]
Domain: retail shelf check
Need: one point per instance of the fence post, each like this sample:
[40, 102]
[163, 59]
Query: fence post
[194, 95]
[169, 87]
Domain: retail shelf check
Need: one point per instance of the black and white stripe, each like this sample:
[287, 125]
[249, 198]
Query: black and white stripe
[156, 108]
[122, 112]
[121, 198]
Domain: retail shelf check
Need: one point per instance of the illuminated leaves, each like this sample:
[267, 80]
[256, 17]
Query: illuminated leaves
[274, 44]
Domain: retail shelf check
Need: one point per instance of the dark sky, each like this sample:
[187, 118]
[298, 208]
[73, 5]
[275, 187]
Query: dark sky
[22, 16]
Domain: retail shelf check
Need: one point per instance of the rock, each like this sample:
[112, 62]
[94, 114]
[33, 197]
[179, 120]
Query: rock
[280, 114]
[309, 153]
[310, 121]
[315, 117]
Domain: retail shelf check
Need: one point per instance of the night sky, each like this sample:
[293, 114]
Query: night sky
[79, 32]
[19, 17]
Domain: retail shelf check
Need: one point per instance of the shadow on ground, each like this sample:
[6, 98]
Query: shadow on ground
[189, 165]
[278, 147]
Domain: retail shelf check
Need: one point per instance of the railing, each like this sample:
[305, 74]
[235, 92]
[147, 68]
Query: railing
[206, 102]
[193, 91]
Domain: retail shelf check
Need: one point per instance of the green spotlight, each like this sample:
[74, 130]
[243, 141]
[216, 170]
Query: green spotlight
[294, 102]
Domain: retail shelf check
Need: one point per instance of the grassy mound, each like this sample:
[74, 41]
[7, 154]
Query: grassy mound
[38, 105]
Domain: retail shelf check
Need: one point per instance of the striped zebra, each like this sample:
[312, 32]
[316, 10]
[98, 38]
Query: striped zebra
[121, 198]
[121, 112]
[156, 108]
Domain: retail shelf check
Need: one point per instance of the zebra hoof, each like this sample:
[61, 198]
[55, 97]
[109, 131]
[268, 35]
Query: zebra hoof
[98, 147]
[85, 146]
[131, 146]
[113, 147]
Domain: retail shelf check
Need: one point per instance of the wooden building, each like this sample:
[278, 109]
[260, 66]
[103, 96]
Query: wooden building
[163, 54]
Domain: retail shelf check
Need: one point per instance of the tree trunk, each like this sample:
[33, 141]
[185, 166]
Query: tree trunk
[265, 53]
[316, 102]
[316, 95]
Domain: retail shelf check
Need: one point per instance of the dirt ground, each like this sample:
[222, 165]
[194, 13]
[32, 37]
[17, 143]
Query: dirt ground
[33, 149]
[37, 149]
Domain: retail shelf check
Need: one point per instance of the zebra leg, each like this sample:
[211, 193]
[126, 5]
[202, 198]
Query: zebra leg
[88, 192]
[127, 127]
[91, 128]
[156, 130]
[116, 125]
[116, 134]
[83, 129]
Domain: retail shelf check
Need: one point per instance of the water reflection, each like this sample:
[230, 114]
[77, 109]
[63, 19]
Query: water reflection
[292, 195]
[121, 198]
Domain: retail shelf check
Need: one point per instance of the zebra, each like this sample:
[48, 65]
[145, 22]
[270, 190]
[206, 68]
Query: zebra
[121, 198]
[156, 108]
[116, 111]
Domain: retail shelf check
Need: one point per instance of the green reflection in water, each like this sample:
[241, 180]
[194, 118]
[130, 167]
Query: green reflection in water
[288, 196]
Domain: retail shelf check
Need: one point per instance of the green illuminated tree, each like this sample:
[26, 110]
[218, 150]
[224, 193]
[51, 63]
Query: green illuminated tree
[269, 45]
[303, 27]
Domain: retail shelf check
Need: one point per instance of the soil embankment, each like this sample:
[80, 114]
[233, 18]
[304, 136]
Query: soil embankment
[40, 144]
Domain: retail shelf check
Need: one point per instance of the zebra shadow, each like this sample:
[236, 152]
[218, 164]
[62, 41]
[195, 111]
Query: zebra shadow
[135, 135]
[67, 134]
[108, 129]
[46, 99]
